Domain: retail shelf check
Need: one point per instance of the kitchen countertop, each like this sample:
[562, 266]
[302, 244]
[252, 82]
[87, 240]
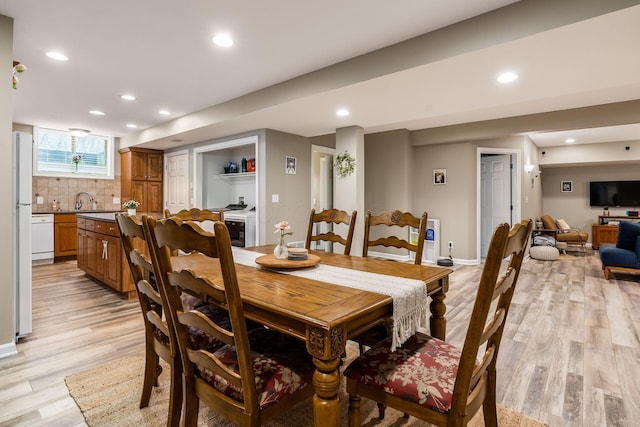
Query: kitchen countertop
[83, 211]
[104, 216]
[110, 215]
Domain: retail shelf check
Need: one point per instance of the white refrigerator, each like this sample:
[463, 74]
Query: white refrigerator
[22, 175]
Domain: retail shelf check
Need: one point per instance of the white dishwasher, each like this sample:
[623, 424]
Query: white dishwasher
[41, 239]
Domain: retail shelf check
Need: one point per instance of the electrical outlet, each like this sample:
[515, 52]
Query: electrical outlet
[450, 244]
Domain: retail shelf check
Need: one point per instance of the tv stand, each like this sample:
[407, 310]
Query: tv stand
[605, 232]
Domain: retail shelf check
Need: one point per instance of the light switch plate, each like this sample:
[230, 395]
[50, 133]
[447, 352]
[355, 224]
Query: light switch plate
[39, 200]
[116, 200]
[275, 198]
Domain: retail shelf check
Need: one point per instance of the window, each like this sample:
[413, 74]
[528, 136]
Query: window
[58, 153]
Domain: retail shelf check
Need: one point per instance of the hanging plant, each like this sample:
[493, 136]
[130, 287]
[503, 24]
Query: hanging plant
[345, 164]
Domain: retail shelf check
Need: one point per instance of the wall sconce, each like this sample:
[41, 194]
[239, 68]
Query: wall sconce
[530, 170]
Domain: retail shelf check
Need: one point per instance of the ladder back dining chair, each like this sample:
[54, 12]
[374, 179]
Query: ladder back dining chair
[330, 218]
[156, 331]
[434, 380]
[256, 375]
[399, 221]
[196, 214]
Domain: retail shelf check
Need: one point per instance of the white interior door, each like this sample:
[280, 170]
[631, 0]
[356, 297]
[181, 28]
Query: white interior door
[322, 187]
[177, 181]
[496, 204]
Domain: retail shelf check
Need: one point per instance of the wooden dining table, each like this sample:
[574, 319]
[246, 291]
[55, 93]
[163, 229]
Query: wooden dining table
[322, 314]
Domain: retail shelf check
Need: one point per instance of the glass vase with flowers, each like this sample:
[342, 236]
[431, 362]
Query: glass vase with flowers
[282, 229]
[76, 159]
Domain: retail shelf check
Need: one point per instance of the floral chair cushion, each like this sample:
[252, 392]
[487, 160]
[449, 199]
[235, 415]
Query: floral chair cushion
[189, 302]
[423, 370]
[281, 366]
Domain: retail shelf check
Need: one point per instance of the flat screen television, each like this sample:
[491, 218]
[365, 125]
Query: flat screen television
[614, 193]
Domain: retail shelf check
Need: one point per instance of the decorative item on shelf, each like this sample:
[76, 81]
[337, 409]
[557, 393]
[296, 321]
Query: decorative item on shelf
[131, 206]
[282, 229]
[18, 68]
[76, 159]
[243, 162]
[345, 164]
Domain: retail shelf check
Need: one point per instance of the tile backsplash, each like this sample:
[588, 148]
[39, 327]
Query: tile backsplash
[64, 190]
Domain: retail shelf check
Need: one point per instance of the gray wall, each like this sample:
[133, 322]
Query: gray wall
[399, 174]
[453, 203]
[574, 207]
[389, 176]
[7, 295]
[294, 191]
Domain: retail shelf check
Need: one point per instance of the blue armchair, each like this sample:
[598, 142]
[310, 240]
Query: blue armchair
[624, 256]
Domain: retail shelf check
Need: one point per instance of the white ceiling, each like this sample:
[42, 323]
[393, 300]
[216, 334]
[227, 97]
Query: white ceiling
[161, 51]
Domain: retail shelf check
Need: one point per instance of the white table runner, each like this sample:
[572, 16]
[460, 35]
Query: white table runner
[409, 295]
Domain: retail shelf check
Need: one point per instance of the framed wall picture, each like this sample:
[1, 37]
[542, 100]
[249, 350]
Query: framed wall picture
[439, 176]
[566, 186]
[290, 165]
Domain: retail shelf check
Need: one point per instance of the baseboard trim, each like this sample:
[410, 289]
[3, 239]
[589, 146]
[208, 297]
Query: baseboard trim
[394, 257]
[8, 349]
[406, 258]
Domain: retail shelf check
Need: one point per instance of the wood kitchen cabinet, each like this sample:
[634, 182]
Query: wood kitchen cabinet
[101, 256]
[64, 235]
[141, 174]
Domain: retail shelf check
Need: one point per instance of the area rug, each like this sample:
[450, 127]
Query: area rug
[109, 395]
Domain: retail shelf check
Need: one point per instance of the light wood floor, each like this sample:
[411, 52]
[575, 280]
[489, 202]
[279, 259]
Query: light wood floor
[570, 355]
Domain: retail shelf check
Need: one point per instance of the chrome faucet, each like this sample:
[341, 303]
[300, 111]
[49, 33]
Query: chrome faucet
[79, 202]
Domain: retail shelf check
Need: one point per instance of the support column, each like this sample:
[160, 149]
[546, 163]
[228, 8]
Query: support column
[348, 192]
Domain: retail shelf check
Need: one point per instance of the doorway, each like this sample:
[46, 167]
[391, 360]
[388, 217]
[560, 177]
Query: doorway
[498, 193]
[176, 180]
[213, 188]
[322, 187]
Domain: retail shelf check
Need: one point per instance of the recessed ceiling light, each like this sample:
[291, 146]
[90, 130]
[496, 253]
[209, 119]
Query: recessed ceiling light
[128, 97]
[57, 56]
[96, 112]
[79, 132]
[507, 77]
[569, 140]
[342, 112]
[223, 40]
[131, 125]
[164, 112]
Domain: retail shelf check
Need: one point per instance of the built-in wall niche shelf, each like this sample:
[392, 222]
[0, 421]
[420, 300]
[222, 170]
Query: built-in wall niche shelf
[239, 177]
[431, 250]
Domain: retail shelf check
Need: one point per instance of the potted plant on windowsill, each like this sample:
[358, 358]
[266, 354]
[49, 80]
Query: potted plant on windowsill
[131, 206]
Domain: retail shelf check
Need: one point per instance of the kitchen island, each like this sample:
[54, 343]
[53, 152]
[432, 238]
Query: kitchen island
[100, 253]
